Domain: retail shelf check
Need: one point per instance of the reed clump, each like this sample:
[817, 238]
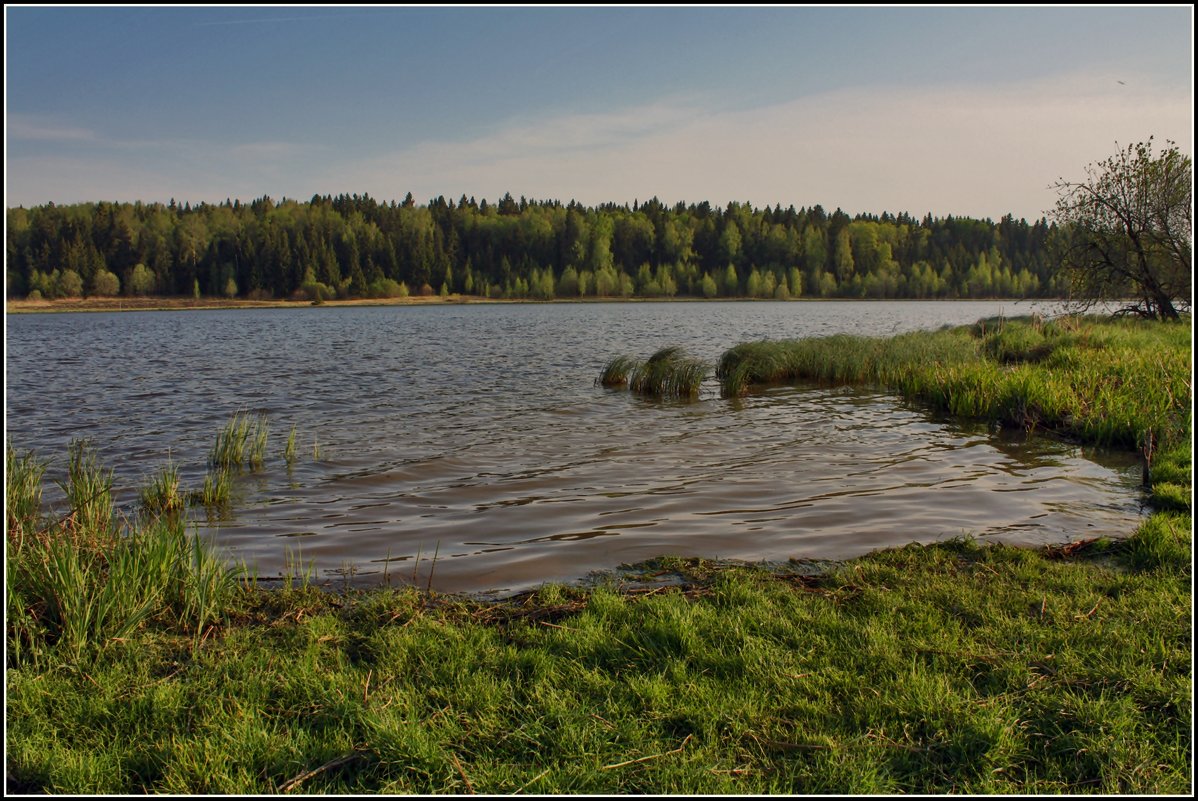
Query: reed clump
[668, 374]
[79, 582]
[243, 441]
[161, 494]
[88, 489]
[22, 488]
[616, 372]
[289, 449]
[217, 488]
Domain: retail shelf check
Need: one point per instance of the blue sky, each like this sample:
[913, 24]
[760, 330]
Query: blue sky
[970, 111]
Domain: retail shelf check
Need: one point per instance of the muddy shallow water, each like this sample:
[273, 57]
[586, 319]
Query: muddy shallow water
[475, 433]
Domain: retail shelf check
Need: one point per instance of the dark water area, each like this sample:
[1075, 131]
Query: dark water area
[475, 433]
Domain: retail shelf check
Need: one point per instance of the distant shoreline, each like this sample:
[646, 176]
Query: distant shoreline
[152, 303]
[67, 305]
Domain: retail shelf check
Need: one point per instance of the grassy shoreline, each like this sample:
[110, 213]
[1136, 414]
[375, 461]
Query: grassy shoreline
[947, 668]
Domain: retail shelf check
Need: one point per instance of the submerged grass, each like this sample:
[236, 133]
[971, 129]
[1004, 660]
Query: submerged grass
[137, 664]
[88, 489]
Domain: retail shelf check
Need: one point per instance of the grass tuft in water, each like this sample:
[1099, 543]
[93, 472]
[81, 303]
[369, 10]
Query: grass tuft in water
[668, 373]
[615, 372]
[216, 490]
[243, 441]
[289, 450]
[161, 494]
[88, 489]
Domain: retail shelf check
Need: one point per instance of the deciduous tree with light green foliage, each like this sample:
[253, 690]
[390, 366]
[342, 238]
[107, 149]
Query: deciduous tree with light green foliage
[105, 284]
[141, 280]
[1127, 231]
[70, 285]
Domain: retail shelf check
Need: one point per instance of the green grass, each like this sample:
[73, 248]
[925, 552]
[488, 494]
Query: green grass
[1121, 383]
[88, 489]
[79, 582]
[23, 488]
[951, 668]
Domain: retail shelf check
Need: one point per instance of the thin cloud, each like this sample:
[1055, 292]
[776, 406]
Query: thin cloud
[569, 135]
[33, 128]
[264, 20]
[958, 150]
[268, 150]
[978, 152]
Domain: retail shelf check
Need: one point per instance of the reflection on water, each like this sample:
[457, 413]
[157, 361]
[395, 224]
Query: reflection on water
[475, 433]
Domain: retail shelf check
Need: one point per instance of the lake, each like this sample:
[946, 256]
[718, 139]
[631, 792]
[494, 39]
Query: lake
[474, 433]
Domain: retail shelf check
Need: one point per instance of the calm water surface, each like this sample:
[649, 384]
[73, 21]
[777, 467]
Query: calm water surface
[475, 432]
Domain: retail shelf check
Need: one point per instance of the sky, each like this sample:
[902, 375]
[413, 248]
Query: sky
[971, 111]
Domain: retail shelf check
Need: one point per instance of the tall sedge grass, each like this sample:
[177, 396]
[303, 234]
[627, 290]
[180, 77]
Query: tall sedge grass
[289, 449]
[23, 520]
[615, 373]
[243, 441]
[83, 599]
[88, 489]
[161, 494]
[83, 580]
[668, 373]
[1119, 383]
[22, 489]
[216, 490]
[297, 574]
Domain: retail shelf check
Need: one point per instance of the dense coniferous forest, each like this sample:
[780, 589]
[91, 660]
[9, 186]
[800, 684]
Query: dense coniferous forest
[354, 246]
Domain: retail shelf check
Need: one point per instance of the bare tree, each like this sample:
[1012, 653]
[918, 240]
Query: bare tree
[1126, 232]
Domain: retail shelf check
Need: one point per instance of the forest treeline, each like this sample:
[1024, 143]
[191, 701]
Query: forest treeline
[355, 246]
